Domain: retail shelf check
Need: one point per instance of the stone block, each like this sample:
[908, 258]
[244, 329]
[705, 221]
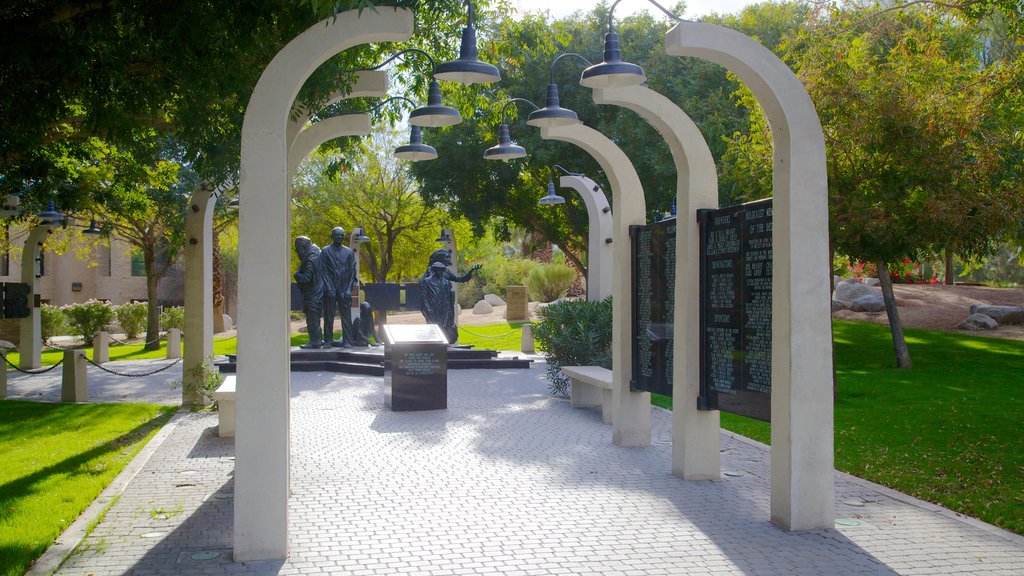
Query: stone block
[517, 308]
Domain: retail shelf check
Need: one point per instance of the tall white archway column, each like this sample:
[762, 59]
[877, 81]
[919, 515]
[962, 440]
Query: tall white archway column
[631, 411]
[262, 410]
[31, 329]
[695, 433]
[198, 293]
[802, 493]
[599, 250]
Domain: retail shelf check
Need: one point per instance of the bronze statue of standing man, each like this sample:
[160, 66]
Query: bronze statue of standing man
[339, 272]
[311, 284]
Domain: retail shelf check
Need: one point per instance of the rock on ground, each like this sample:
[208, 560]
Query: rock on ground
[976, 322]
[849, 291]
[868, 303]
[1001, 314]
[494, 300]
[482, 307]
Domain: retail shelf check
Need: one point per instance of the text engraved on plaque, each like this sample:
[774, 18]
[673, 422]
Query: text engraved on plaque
[736, 309]
[653, 274]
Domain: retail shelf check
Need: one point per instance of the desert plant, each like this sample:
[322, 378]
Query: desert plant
[549, 282]
[206, 375]
[172, 317]
[86, 318]
[53, 321]
[574, 333]
[132, 318]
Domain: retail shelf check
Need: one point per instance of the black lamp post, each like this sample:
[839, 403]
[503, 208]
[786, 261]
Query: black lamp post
[613, 72]
[415, 150]
[50, 215]
[552, 114]
[434, 114]
[467, 68]
[506, 149]
[552, 198]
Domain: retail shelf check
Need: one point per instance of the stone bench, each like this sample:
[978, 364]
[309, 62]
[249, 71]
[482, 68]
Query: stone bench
[591, 388]
[225, 397]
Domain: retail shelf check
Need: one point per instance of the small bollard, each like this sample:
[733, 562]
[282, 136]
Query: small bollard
[73, 385]
[527, 343]
[173, 343]
[101, 347]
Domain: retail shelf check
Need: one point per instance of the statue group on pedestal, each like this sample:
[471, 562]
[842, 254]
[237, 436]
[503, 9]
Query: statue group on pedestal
[326, 279]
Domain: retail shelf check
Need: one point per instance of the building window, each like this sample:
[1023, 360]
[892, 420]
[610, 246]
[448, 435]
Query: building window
[138, 263]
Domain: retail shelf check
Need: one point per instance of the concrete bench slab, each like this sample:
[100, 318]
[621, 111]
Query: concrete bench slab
[225, 397]
[591, 388]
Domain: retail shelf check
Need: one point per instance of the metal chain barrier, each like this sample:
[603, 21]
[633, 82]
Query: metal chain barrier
[129, 343]
[139, 375]
[471, 333]
[38, 371]
[55, 347]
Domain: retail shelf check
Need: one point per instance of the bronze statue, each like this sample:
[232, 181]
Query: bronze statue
[437, 296]
[364, 327]
[310, 281]
[339, 272]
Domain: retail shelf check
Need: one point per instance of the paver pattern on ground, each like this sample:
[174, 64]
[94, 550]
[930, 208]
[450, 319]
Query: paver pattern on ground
[508, 480]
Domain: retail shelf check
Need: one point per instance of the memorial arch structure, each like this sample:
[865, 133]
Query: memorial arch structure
[262, 411]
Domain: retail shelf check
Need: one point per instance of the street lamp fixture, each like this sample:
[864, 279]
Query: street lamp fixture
[443, 238]
[552, 114]
[415, 150]
[92, 229]
[360, 234]
[50, 215]
[434, 114]
[613, 72]
[552, 198]
[467, 68]
[506, 149]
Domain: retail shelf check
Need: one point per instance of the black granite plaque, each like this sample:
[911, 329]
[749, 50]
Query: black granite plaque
[654, 272]
[384, 297]
[415, 368]
[736, 309]
[16, 300]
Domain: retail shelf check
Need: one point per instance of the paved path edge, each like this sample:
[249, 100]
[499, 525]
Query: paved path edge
[73, 535]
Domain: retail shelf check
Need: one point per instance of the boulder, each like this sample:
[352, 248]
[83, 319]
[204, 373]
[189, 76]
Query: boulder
[494, 300]
[228, 322]
[6, 347]
[868, 303]
[850, 280]
[1001, 314]
[977, 322]
[872, 281]
[848, 292]
[838, 305]
[483, 307]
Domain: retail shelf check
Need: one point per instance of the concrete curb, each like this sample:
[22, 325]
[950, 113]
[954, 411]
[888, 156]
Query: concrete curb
[72, 536]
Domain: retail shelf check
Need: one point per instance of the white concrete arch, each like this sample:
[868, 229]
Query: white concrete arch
[368, 84]
[262, 410]
[316, 134]
[695, 433]
[802, 495]
[631, 411]
[31, 328]
[599, 250]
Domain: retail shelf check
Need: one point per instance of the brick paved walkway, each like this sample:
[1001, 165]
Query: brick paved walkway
[507, 481]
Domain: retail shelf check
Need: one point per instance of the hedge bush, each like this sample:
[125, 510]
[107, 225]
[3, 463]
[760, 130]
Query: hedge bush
[493, 278]
[550, 282]
[87, 318]
[172, 317]
[574, 333]
[132, 318]
[53, 321]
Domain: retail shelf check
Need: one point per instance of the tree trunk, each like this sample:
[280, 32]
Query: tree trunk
[153, 318]
[218, 290]
[950, 272]
[898, 342]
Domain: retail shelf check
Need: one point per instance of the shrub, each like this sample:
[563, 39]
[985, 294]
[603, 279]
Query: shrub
[550, 281]
[132, 318]
[172, 317]
[574, 333]
[88, 317]
[493, 278]
[53, 320]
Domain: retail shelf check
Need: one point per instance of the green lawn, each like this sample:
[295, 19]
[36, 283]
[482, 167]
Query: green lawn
[56, 459]
[492, 336]
[946, 431]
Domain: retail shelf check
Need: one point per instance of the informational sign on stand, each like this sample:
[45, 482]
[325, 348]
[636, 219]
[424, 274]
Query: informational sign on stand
[736, 309]
[415, 367]
[654, 272]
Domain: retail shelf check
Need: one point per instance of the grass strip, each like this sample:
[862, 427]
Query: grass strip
[946, 431]
[57, 459]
